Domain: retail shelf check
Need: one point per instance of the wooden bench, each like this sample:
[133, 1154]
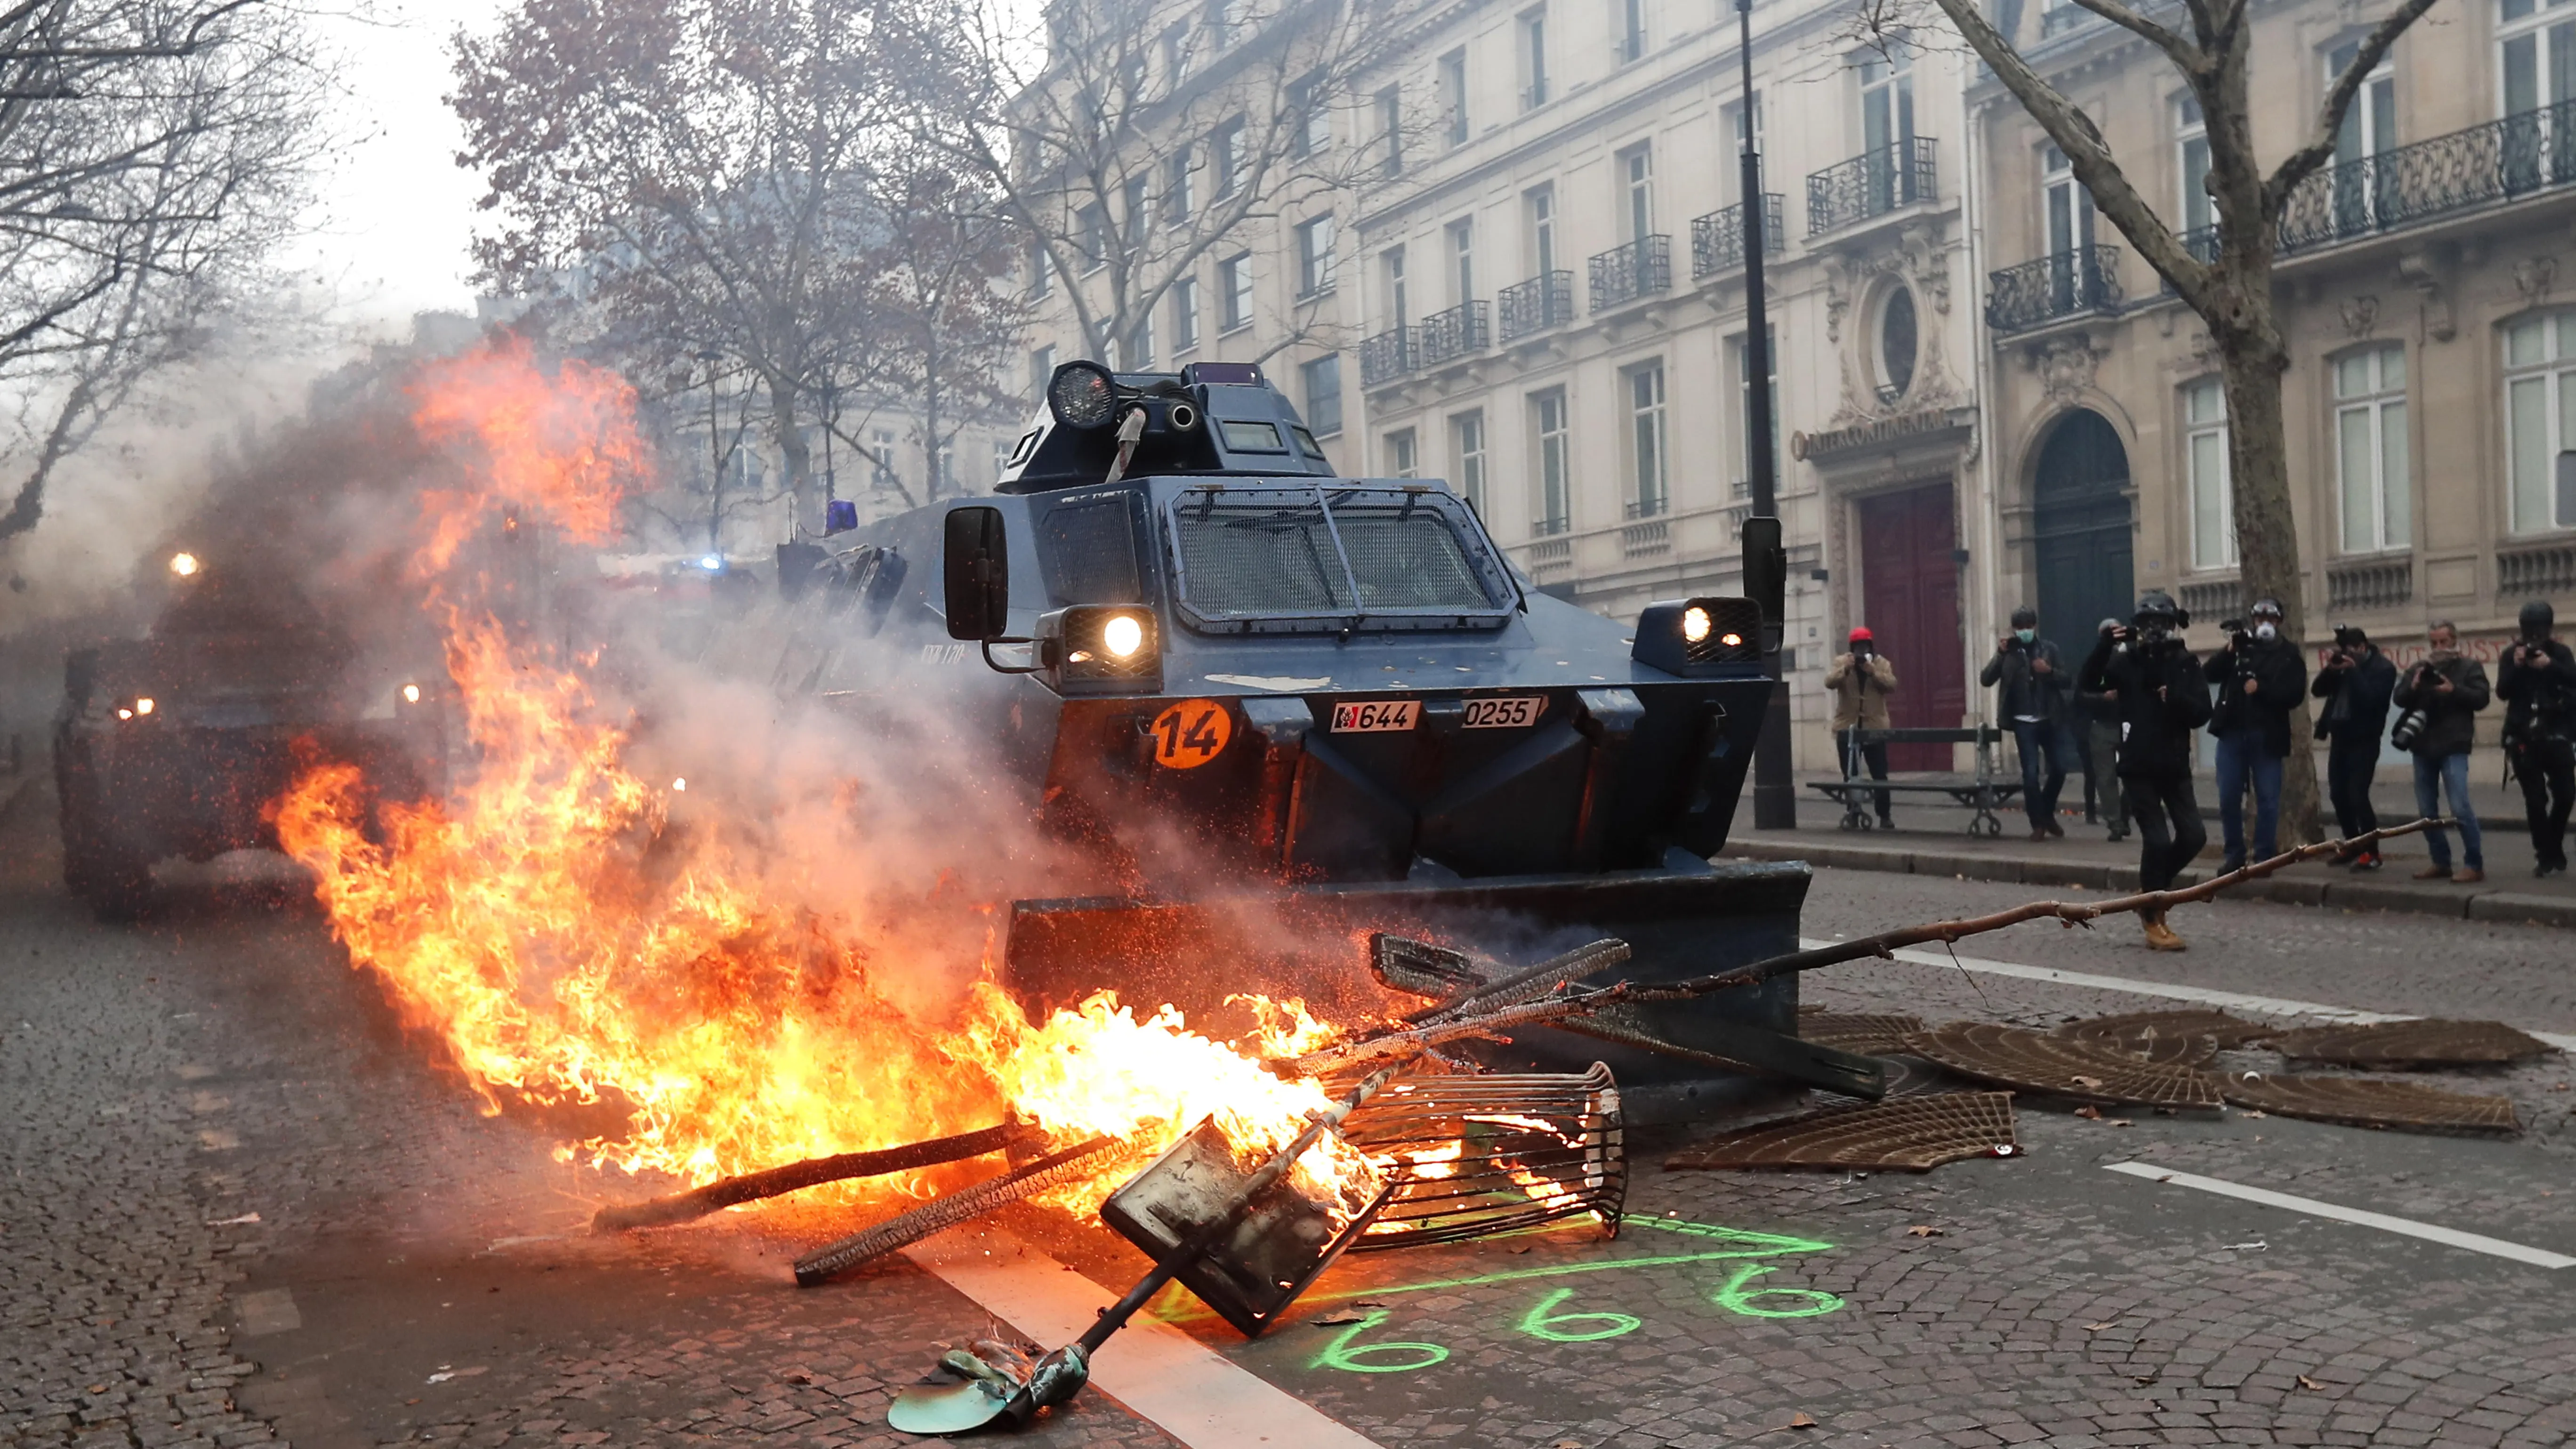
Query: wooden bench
[1859, 795]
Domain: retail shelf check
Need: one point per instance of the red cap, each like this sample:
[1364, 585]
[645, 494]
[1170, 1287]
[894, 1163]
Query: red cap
[1859, 634]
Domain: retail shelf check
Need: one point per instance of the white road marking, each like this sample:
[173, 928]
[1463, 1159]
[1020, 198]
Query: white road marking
[1159, 1372]
[2237, 1000]
[2450, 1237]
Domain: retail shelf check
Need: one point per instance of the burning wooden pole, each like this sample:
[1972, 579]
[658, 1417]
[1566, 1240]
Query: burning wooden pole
[947, 1212]
[681, 1207]
[1447, 1027]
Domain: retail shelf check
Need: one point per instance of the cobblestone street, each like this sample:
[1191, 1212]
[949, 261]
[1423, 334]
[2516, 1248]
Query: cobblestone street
[242, 1208]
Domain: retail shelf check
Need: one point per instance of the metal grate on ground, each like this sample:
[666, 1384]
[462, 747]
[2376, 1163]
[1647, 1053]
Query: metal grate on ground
[2397, 1044]
[2371, 1102]
[1916, 1134]
[2130, 1029]
[1871, 1035]
[2041, 1062]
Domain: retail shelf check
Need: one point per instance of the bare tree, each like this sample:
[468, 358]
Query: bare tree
[151, 156]
[1152, 137]
[2228, 281]
[708, 174]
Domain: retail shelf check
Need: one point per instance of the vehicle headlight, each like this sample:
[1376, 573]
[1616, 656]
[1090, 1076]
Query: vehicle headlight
[1101, 649]
[411, 694]
[143, 705]
[183, 564]
[1690, 636]
[1083, 395]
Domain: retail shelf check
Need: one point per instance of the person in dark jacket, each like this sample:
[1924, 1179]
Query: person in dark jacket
[2101, 716]
[2031, 686]
[2355, 683]
[2450, 688]
[2260, 677]
[2537, 678]
[2155, 685]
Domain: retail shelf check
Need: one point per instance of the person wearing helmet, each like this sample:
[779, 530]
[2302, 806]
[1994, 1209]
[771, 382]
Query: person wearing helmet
[2355, 682]
[2537, 678]
[2153, 684]
[2103, 797]
[1862, 679]
[2260, 677]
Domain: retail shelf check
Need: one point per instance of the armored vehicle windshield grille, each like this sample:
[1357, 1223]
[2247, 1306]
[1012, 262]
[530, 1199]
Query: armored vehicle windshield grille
[1263, 558]
[1089, 550]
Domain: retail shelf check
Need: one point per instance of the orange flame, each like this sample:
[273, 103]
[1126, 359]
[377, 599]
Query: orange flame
[570, 943]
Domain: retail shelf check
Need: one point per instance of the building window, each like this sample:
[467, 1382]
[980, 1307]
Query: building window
[1092, 224]
[2537, 41]
[1002, 450]
[1739, 365]
[1551, 463]
[1323, 379]
[1234, 292]
[1315, 256]
[1225, 152]
[1647, 466]
[1897, 343]
[1185, 315]
[1041, 369]
[1399, 310]
[1887, 125]
[1736, 116]
[2370, 449]
[1399, 454]
[1140, 211]
[1312, 122]
[1220, 23]
[881, 451]
[2191, 159]
[1636, 193]
[1176, 57]
[1538, 204]
[1390, 125]
[1632, 29]
[1453, 96]
[1177, 200]
[2213, 509]
[1462, 261]
[2369, 130]
[1137, 352]
[1533, 56]
[1467, 445]
[2540, 419]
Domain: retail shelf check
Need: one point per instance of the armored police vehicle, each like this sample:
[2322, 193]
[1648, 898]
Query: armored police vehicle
[1297, 708]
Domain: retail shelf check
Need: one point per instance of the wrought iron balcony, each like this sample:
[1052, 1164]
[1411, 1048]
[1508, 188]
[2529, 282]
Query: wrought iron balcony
[1541, 302]
[2484, 165]
[1639, 269]
[2068, 284]
[1458, 332]
[1386, 357]
[1717, 239]
[1873, 183]
[2059, 19]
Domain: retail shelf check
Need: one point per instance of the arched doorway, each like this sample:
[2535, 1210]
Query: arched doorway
[2081, 530]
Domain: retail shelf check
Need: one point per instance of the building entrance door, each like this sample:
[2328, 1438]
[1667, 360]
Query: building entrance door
[2082, 531]
[1910, 598]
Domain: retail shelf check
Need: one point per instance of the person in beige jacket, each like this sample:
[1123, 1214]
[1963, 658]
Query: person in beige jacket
[1861, 680]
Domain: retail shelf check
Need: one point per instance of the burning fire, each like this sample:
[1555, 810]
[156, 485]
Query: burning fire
[569, 943]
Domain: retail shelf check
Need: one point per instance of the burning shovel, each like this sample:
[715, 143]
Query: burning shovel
[987, 1391]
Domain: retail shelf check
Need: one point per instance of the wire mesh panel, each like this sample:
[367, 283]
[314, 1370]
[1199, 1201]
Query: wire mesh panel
[1285, 558]
[1259, 555]
[1473, 1156]
[2430, 1043]
[2015, 1057]
[1917, 1135]
[2372, 1102]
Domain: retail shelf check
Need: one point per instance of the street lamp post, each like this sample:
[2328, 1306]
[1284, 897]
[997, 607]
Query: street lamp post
[1775, 798]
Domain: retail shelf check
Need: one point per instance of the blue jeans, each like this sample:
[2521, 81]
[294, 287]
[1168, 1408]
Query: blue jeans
[2241, 754]
[2031, 740]
[2451, 773]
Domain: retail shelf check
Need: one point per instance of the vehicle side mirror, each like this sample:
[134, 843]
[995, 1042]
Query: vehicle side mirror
[1766, 576]
[975, 569]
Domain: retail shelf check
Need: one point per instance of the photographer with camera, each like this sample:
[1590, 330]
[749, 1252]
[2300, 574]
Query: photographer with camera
[1861, 680]
[2101, 715]
[2441, 697]
[2260, 677]
[2031, 687]
[2537, 678]
[2153, 682]
[2355, 683]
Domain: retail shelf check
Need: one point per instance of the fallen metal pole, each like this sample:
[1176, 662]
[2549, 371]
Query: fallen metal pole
[681, 1207]
[1883, 945]
[947, 1212]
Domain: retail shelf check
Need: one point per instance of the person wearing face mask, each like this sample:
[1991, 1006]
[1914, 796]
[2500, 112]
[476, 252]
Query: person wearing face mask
[2537, 680]
[2260, 679]
[2101, 711]
[2154, 687]
[2031, 685]
[2444, 691]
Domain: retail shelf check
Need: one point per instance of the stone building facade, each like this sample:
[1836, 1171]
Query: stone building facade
[2427, 283]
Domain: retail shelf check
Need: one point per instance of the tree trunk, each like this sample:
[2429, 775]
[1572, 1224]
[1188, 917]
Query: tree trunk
[2254, 358]
[796, 458]
[930, 423]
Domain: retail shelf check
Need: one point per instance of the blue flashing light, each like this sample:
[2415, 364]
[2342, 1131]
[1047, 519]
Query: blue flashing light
[713, 563]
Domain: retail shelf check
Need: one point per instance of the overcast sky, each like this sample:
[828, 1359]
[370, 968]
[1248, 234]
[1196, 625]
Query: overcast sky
[397, 214]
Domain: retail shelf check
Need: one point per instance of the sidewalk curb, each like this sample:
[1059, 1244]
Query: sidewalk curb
[2350, 895]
